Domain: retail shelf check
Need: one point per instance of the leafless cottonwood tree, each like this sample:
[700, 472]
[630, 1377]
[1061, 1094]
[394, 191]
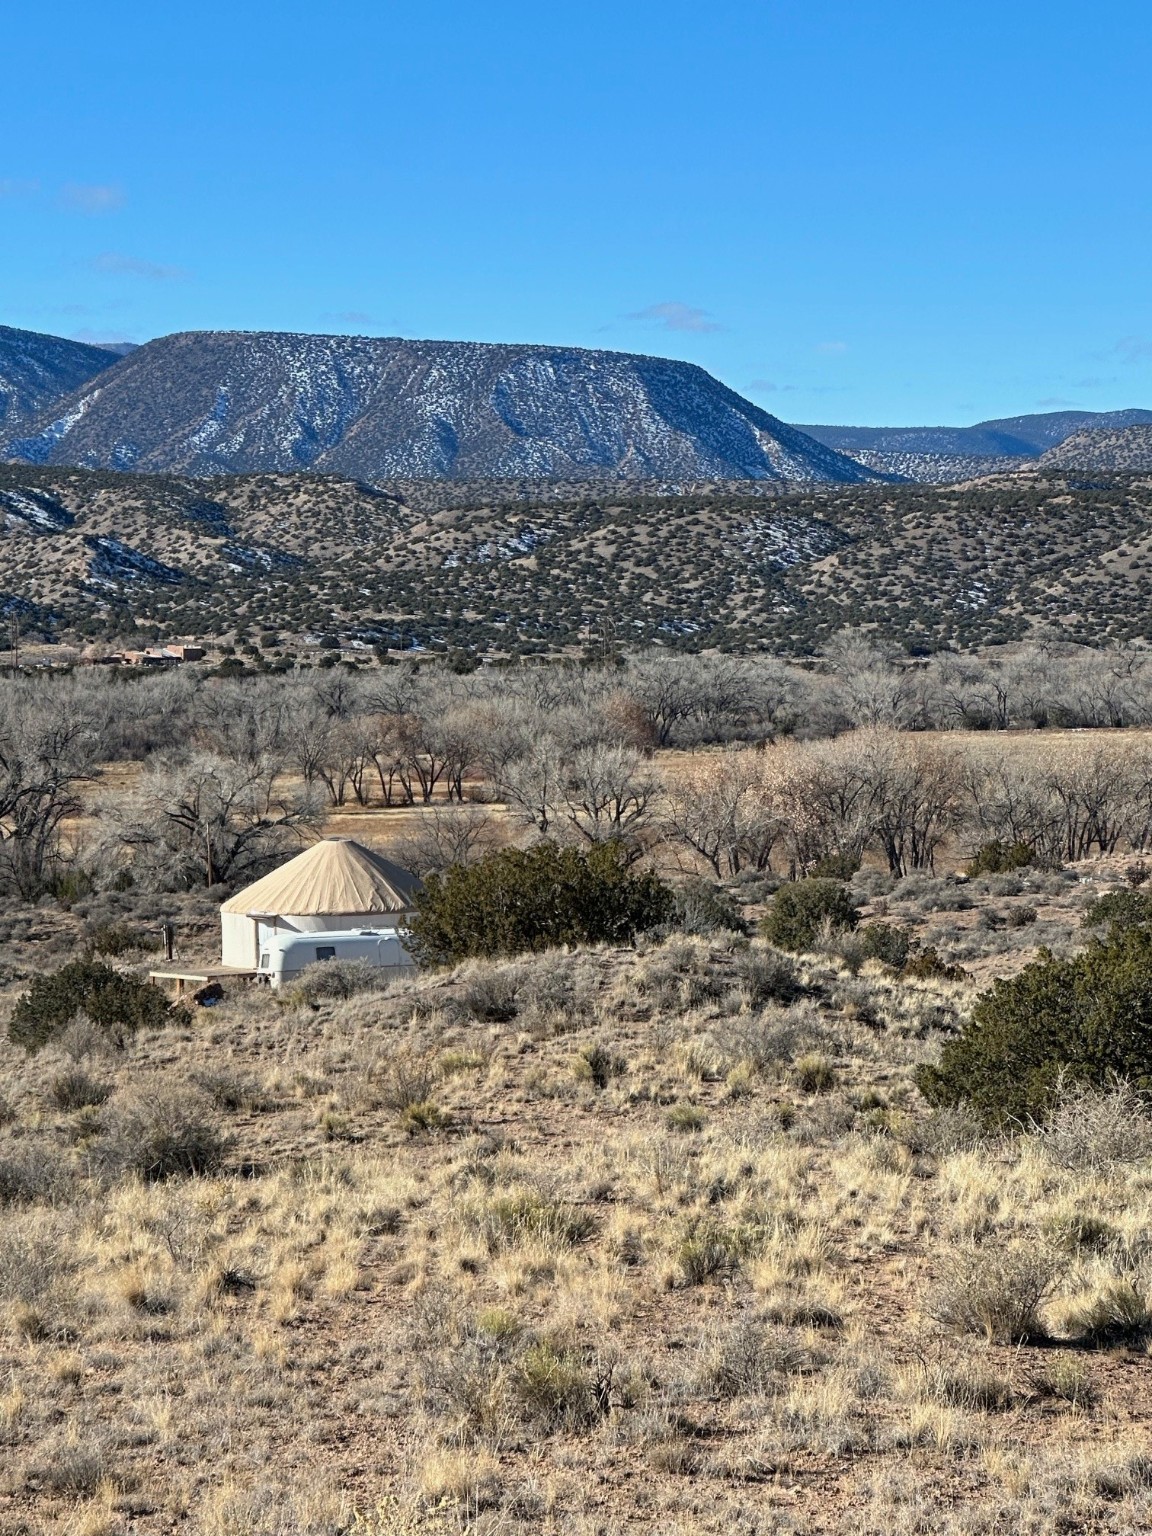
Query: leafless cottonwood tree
[607, 794]
[211, 820]
[719, 809]
[914, 793]
[874, 690]
[447, 835]
[47, 750]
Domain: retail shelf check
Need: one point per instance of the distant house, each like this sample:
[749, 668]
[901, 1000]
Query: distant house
[149, 658]
[153, 656]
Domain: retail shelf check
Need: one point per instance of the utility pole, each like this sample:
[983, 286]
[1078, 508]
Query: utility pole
[15, 647]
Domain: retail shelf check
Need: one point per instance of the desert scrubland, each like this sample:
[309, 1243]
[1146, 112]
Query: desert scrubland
[672, 1234]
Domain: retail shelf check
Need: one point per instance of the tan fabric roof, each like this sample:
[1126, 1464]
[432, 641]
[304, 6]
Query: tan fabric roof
[336, 875]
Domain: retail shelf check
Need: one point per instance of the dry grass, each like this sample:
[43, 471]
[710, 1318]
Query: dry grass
[674, 1253]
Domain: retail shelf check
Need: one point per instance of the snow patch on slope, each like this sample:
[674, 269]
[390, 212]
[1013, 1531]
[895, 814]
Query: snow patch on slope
[37, 449]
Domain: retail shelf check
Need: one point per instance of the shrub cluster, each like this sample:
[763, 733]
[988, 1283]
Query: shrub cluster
[336, 981]
[1118, 909]
[117, 1005]
[999, 858]
[887, 942]
[704, 908]
[159, 1134]
[802, 908]
[516, 901]
[1085, 1020]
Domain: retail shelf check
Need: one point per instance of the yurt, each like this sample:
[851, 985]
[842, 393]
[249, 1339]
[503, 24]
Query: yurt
[335, 885]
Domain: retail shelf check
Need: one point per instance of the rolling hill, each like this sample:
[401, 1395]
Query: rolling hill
[1127, 449]
[310, 557]
[214, 403]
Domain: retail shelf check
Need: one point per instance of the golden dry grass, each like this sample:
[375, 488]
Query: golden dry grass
[700, 1298]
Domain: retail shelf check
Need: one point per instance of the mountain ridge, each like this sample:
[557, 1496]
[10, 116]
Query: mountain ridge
[950, 454]
[228, 402]
[1025, 436]
[37, 369]
[389, 408]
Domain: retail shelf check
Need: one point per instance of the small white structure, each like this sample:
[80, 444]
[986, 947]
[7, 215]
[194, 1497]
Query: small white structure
[287, 955]
[335, 887]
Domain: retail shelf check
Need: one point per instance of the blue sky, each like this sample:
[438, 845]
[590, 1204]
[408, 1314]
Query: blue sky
[882, 213]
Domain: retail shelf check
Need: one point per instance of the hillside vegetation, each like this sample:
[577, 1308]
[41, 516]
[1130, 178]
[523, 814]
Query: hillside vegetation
[925, 566]
[1126, 450]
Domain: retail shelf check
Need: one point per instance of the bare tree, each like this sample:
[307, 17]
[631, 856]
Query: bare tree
[821, 796]
[1007, 800]
[915, 797]
[208, 821]
[969, 693]
[875, 692]
[718, 808]
[1089, 783]
[532, 786]
[608, 793]
[668, 689]
[448, 835]
[47, 749]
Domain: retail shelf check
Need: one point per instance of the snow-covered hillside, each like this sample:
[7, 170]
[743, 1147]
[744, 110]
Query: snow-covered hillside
[381, 408]
[36, 371]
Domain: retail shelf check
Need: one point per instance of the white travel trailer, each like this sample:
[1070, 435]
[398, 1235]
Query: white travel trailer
[286, 956]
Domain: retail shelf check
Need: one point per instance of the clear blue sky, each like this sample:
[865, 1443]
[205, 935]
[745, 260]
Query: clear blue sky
[885, 213]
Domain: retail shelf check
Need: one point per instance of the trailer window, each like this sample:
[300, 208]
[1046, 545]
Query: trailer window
[264, 960]
[325, 951]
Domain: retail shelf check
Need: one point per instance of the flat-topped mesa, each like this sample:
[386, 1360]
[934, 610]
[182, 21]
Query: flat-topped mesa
[224, 402]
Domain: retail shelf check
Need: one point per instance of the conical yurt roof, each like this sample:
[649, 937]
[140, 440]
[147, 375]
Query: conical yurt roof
[335, 875]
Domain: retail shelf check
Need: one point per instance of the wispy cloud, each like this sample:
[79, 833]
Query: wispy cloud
[770, 387]
[89, 198]
[1134, 349]
[831, 348]
[346, 317]
[1056, 403]
[672, 316]
[115, 264]
[11, 186]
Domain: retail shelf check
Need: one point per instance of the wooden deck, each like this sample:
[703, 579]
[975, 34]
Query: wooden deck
[200, 975]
